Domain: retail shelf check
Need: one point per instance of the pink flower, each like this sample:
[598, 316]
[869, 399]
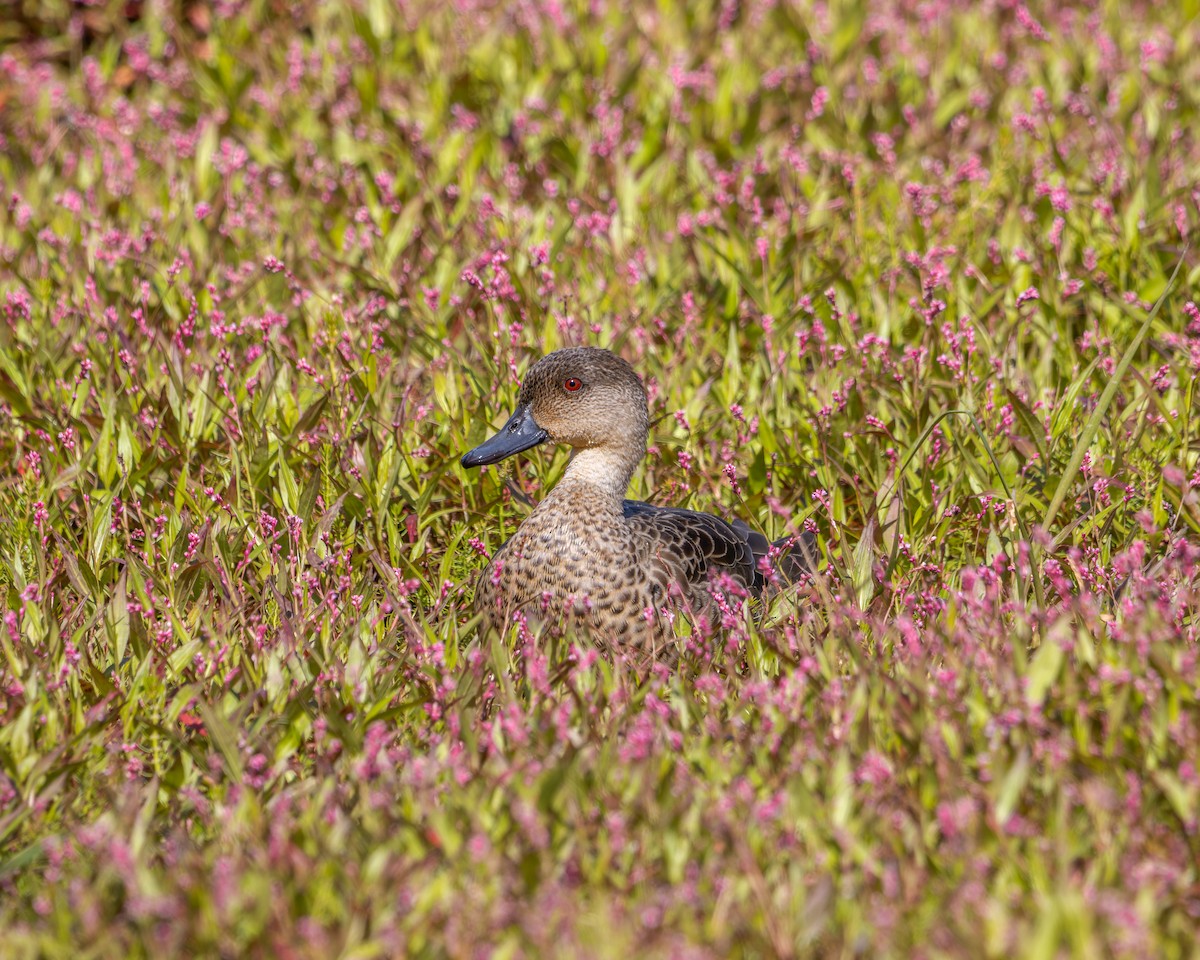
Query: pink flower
[874, 770]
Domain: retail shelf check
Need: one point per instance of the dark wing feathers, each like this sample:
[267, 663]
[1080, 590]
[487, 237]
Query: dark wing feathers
[797, 559]
[695, 545]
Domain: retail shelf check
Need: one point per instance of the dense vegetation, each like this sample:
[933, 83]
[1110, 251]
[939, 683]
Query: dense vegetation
[888, 269]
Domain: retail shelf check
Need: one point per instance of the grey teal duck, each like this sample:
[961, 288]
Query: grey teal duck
[587, 553]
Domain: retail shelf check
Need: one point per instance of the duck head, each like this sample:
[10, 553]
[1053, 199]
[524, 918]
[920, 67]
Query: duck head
[587, 398]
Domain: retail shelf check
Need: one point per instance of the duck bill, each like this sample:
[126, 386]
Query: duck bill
[520, 433]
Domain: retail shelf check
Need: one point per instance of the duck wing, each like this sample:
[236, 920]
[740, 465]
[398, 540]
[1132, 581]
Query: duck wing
[796, 556]
[692, 546]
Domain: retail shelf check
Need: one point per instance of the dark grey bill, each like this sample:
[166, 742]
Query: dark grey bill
[520, 433]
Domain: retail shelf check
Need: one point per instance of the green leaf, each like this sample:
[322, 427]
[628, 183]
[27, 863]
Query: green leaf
[289, 492]
[117, 619]
[862, 567]
[1044, 670]
[757, 480]
[1012, 786]
[401, 233]
[1182, 798]
[224, 735]
[101, 523]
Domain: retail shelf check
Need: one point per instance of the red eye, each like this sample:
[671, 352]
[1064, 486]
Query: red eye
[571, 384]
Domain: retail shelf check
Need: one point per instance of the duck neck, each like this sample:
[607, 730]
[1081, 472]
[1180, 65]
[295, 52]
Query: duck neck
[609, 469]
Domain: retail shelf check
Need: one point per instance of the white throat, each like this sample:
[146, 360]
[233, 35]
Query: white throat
[608, 468]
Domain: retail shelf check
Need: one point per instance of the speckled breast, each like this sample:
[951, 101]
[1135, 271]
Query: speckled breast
[564, 564]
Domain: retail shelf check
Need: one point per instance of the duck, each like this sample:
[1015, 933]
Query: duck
[621, 568]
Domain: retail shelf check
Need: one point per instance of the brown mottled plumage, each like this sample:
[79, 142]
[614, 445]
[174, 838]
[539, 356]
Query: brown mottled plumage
[586, 551]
